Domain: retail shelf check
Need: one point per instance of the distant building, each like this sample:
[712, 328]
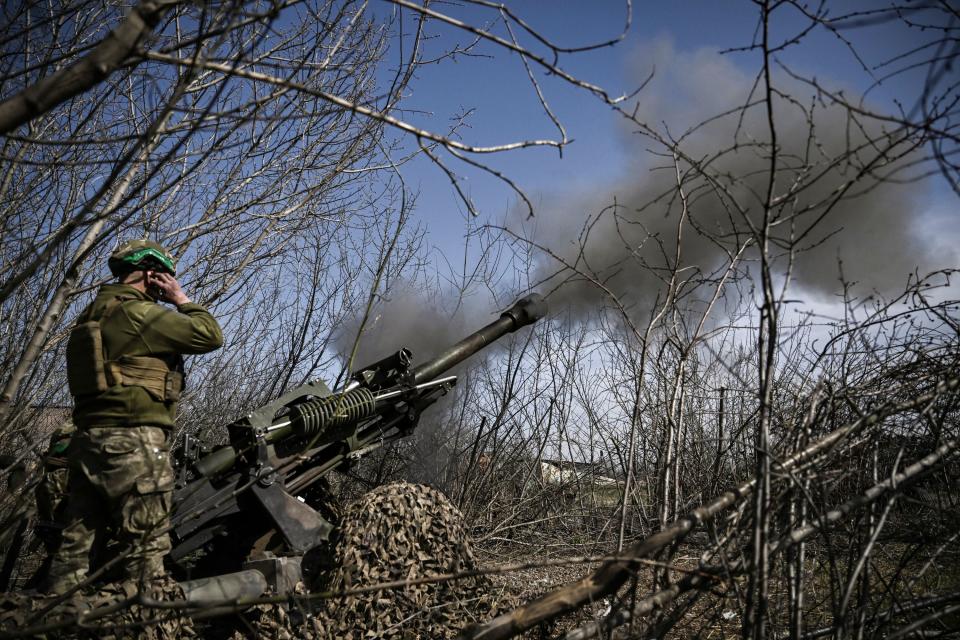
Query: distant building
[592, 482]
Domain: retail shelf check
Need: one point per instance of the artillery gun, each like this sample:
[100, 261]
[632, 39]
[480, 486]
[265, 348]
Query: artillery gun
[244, 518]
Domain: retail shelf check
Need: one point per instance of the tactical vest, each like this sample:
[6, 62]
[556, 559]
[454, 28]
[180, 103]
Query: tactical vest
[89, 372]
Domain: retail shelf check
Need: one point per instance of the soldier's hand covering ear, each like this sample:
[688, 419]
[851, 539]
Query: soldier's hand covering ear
[167, 286]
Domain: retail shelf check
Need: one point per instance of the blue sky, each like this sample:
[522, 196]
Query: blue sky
[504, 108]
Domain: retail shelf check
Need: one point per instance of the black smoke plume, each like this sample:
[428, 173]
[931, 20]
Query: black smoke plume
[852, 199]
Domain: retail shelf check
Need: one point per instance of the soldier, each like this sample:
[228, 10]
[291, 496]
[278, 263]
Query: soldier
[51, 492]
[49, 498]
[125, 371]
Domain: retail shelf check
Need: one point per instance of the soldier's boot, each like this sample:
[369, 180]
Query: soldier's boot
[63, 577]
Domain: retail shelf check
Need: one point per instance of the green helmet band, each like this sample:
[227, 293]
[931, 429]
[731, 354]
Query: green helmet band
[60, 446]
[139, 255]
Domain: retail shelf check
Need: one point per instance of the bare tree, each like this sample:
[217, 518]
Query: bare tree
[821, 444]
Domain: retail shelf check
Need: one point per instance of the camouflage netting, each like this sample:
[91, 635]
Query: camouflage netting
[405, 532]
[18, 611]
[396, 533]
[399, 532]
[274, 622]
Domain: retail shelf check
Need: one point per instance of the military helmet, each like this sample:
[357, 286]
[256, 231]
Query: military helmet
[133, 255]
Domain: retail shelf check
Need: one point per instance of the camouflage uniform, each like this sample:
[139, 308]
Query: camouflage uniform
[121, 480]
[51, 492]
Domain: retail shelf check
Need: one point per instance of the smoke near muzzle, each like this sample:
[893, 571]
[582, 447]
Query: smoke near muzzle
[847, 192]
[408, 316]
[426, 322]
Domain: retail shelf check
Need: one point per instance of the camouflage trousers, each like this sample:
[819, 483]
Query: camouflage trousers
[51, 493]
[119, 491]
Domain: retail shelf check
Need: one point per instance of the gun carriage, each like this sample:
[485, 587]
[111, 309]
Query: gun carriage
[243, 516]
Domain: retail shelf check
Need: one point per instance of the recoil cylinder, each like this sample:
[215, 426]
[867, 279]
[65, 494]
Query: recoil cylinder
[332, 417]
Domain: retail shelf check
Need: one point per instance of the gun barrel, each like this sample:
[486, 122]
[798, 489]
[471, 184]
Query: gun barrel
[526, 311]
